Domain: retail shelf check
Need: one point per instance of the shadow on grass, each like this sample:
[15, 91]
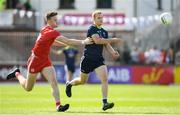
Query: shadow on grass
[84, 112]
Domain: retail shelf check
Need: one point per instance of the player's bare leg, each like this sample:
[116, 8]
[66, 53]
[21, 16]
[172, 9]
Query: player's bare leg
[26, 83]
[80, 80]
[103, 75]
[77, 81]
[50, 75]
[69, 76]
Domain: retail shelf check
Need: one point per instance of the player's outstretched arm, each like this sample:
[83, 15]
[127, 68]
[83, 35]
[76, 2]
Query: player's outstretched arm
[58, 43]
[69, 41]
[98, 40]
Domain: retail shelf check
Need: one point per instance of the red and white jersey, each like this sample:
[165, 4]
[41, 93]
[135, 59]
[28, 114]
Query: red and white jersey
[44, 41]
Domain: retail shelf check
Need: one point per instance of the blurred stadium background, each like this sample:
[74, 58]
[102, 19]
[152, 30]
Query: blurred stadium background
[148, 43]
[150, 54]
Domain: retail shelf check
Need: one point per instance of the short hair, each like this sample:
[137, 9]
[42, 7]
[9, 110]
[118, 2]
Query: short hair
[51, 14]
[95, 12]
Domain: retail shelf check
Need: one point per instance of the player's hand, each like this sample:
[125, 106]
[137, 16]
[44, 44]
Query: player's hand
[88, 41]
[115, 55]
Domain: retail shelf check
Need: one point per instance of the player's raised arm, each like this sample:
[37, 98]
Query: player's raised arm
[98, 40]
[74, 41]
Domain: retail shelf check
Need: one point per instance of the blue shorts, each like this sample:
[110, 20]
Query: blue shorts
[70, 68]
[89, 65]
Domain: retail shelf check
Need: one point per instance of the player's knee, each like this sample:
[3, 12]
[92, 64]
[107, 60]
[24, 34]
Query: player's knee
[104, 80]
[82, 81]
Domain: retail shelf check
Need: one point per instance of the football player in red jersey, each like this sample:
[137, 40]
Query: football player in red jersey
[39, 61]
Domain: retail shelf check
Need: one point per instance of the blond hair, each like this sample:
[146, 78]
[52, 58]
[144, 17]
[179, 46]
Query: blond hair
[94, 13]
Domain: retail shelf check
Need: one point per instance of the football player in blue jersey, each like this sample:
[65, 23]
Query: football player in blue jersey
[93, 58]
[70, 53]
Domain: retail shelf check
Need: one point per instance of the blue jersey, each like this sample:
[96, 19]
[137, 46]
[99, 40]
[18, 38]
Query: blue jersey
[94, 51]
[70, 54]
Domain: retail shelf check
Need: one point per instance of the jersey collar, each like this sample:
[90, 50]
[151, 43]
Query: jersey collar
[99, 27]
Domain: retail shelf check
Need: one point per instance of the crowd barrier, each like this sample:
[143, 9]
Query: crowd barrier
[164, 75]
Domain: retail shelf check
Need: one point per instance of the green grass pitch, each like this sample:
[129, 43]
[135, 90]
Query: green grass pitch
[86, 99]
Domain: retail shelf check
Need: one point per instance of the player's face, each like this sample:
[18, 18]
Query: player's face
[98, 19]
[53, 21]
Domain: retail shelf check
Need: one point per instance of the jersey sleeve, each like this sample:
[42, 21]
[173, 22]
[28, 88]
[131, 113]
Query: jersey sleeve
[91, 31]
[53, 34]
